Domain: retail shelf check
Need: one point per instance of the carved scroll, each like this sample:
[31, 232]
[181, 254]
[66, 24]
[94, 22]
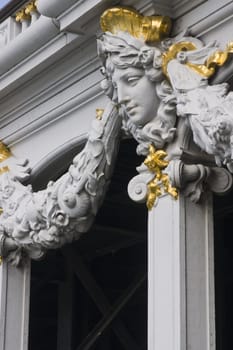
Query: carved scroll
[33, 222]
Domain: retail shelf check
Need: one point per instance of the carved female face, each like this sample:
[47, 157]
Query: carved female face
[136, 93]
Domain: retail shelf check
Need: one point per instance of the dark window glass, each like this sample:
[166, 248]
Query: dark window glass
[223, 219]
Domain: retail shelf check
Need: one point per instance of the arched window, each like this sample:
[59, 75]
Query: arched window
[92, 294]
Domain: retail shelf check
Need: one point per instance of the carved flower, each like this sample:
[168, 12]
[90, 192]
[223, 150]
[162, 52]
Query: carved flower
[103, 71]
[94, 183]
[146, 55]
[166, 43]
[8, 190]
[60, 219]
[96, 130]
[11, 208]
[49, 238]
[70, 198]
[14, 257]
[143, 148]
[150, 56]
[107, 86]
[182, 57]
[157, 61]
[35, 225]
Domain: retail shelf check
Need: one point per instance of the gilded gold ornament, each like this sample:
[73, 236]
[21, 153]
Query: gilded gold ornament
[4, 152]
[207, 69]
[4, 169]
[99, 113]
[160, 184]
[31, 7]
[21, 16]
[155, 160]
[173, 50]
[147, 28]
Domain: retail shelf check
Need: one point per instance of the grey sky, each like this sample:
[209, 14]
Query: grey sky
[3, 3]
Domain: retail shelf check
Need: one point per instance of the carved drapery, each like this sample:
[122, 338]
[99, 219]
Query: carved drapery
[160, 95]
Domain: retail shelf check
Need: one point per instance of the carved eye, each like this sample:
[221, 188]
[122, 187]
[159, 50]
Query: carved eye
[133, 79]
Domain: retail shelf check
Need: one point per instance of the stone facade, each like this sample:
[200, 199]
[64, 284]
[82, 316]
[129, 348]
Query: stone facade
[168, 97]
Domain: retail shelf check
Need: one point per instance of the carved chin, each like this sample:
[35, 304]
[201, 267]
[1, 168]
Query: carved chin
[137, 118]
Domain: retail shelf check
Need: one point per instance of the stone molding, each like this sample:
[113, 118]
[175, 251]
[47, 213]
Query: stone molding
[53, 8]
[25, 43]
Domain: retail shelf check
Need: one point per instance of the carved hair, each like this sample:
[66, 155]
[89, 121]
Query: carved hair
[123, 51]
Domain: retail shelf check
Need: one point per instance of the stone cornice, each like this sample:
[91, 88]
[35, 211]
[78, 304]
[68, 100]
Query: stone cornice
[82, 12]
[33, 63]
[205, 18]
[200, 16]
[52, 116]
[81, 18]
[53, 8]
[43, 30]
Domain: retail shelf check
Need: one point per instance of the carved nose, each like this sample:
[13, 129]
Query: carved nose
[123, 99]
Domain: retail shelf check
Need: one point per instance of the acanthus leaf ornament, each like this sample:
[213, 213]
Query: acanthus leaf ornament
[33, 222]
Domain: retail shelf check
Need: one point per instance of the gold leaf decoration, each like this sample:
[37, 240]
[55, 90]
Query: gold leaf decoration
[99, 113]
[4, 152]
[148, 28]
[207, 69]
[156, 163]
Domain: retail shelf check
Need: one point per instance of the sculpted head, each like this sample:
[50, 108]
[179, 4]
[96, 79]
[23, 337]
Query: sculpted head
[132, 72]
[133, 76]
